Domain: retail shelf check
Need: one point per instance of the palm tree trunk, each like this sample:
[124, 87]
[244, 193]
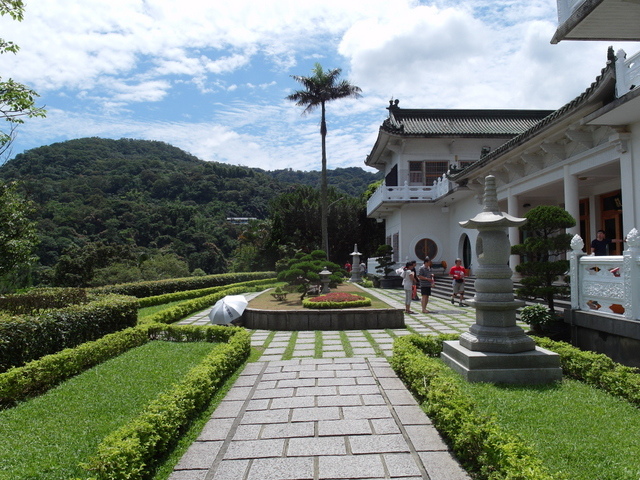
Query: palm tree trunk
[323, 187]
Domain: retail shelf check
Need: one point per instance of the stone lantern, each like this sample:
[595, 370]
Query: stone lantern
[324, 279]
[495, 349]
[356, 273]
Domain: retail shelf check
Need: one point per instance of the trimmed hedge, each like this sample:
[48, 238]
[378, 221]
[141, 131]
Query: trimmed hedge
[39, 299]
[160, 287]
[132, 451]
[38, 376]
[178, 312]
[189, 294]
[477, 440]
[597, 370]
[26, 338]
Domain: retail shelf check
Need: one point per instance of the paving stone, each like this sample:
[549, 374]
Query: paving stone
[350, 467]
[265, 416]
[199, 455]
[247, 432]
[255, 449]
[298, 382]
[245, 381]
[443, 466]
[278, 376]
[317, 374]
[316, 446]
[295, 468]
[317, 391]
[293, 402]
[425, 438]
[411, 415]
[340, 401]
[228, 469]
[378, 444]
[400, 397]
[384, 426]
[402, 465]
[288, 430]
[373, 399]
[189, 475]
[216, 429]
[389, 383]
[238, 393]
[326, 382]
[261, 404]
[272, 393]
[344, 427]
[358, 389]
[315, 414]
[375, 411]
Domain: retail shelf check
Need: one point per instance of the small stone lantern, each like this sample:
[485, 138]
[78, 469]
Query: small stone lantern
[324, 279]
[356, 273]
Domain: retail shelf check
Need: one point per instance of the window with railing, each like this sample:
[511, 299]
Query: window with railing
[426, 172]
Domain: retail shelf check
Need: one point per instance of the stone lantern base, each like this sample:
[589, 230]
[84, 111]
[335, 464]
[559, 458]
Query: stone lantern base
[531, 367]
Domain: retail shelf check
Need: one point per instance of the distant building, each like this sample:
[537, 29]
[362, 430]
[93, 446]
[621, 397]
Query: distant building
[240, 220]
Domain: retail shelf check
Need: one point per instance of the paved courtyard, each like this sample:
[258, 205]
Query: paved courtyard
[324, 405]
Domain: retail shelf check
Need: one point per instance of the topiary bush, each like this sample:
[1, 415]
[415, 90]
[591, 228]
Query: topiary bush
[303, 271]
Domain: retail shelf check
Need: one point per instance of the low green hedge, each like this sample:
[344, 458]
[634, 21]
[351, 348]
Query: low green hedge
[160, 287]
[38, 299]
[189, 294]
[477, 440]
[321, 305]
[597, 370]
[132, 451]
[26, 338]
[178, 312]
[40, 375]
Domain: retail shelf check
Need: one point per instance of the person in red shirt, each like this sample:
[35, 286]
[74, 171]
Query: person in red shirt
[458, 274]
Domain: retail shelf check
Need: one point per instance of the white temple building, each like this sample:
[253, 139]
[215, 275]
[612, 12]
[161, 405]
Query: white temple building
[584, 157]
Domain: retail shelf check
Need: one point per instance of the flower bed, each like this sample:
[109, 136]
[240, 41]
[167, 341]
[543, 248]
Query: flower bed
[337, 300]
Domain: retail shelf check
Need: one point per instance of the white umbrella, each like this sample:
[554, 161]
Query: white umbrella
[227, 309]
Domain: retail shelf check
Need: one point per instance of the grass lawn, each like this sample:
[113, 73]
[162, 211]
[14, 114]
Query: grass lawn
[579, 432]
[47, 437]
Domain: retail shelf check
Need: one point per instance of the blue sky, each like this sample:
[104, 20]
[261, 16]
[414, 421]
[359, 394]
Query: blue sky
[212, 77]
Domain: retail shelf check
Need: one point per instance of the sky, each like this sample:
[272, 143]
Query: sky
[211, 77]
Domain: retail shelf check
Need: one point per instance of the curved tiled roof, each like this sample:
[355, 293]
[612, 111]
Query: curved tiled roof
[602, 89]
[467, 123]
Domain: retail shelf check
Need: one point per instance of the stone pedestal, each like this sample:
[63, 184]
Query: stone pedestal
[495, 349]
[530, 367]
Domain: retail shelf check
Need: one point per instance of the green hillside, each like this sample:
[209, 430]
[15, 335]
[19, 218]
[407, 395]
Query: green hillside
[101, 201]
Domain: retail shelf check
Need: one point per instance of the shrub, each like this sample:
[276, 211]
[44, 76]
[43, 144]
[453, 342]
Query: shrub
[336, 300]
[23, 339]
[536, 315]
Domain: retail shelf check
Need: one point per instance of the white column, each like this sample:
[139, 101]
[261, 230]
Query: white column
[571, 199]
[629, 178]
[514, 234]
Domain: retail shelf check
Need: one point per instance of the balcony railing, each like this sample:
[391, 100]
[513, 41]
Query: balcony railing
[627, 72]
[408, 193]
[609, 284]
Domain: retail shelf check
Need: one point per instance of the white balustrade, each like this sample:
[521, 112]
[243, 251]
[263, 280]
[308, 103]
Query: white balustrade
[627, 72]
[409, 193]
[607, 284]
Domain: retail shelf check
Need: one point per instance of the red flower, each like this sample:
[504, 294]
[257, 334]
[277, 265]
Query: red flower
[337, 297]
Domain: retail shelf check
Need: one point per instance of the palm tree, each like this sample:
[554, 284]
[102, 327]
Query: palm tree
[320, 88]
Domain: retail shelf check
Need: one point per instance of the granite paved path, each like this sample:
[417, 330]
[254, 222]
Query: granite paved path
[326, 405]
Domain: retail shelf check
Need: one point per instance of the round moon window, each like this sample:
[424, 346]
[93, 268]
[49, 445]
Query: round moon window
[426, 248]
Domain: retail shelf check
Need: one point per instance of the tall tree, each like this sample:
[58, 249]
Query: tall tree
[320, 88]
[16, 99]
[18, 236]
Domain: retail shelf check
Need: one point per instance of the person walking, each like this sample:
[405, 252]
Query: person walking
[427, 279]
[408, 280]
[458, 274]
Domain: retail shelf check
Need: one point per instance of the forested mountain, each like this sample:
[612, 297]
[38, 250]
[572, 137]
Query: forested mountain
[100, 201]
[352, 180]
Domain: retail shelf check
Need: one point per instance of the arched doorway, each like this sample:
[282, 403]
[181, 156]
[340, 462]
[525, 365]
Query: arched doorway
[466, 251]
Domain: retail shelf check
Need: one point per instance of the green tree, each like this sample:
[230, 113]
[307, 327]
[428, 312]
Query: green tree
[16, 99]
[18, 237]
[545, 243]
[320, 88]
